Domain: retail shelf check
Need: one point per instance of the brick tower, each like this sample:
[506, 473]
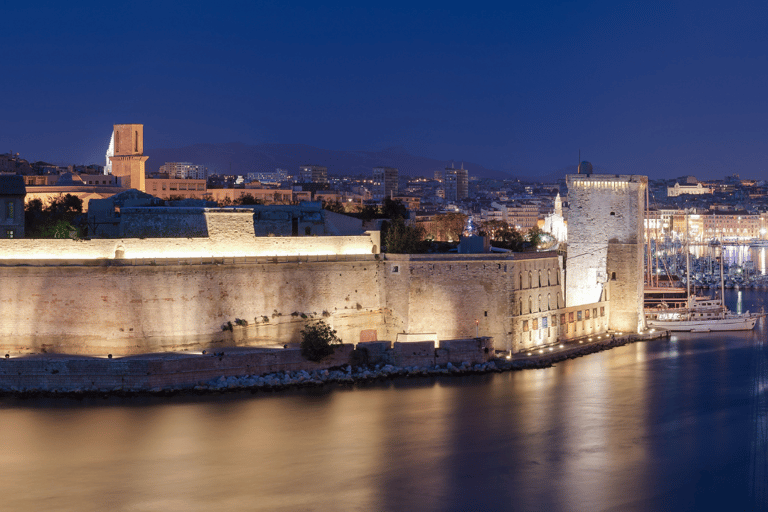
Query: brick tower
[128, 161]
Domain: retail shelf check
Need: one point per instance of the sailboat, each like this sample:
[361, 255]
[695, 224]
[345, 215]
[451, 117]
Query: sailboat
[699, 314]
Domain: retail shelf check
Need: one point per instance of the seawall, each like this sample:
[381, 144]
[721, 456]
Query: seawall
[66, 373]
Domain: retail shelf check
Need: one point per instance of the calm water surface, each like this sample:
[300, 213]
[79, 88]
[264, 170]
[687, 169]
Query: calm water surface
[678, 424]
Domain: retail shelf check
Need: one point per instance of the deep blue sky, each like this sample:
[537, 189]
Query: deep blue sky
[663, 89]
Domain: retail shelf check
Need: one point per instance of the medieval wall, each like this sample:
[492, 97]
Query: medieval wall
[118, 302]
[454, 296]
[150, 308]
[220, 244]
[605, 244]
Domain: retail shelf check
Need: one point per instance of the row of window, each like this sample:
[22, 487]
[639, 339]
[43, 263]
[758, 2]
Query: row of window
[539, 305]
[181, 186]
[585, 314]
[540, 279]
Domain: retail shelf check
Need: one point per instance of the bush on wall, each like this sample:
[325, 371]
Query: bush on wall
[318, 340]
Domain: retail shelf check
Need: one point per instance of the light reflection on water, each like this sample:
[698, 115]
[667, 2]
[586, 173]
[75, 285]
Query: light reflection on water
[679, 424]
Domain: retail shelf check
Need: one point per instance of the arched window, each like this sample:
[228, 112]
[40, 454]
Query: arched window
[539, 301]
[136, 142]
[549, 277]
[549, 302]
[521, 281]
[557, 275]
[530, 304]
[521, 305]
[558, 300]
[539, 278]
[530, 279]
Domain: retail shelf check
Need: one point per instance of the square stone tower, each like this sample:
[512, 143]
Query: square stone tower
[605, 245]
[128, 160]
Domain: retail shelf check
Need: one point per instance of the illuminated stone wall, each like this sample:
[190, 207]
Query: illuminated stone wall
[94, 309]
[230, 237]
[460, 296]
[605, 245]
[131, 296]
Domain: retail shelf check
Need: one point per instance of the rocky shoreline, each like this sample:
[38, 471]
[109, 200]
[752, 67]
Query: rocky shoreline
[339, 375]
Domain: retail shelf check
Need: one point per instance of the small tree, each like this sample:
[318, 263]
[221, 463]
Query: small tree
[403, 239]
[318, 340]
[534, 236]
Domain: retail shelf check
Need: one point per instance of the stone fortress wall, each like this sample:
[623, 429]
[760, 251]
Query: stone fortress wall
[139, 295]
[129, 306]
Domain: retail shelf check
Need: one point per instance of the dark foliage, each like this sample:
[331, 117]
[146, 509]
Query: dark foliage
[318, 340]
[62, 217]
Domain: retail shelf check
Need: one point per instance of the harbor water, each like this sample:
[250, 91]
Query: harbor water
[674, 424]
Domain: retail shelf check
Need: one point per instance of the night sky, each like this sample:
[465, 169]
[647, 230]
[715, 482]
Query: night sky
[663, 89]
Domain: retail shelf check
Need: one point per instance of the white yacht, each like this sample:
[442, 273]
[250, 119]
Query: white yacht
[699, 314]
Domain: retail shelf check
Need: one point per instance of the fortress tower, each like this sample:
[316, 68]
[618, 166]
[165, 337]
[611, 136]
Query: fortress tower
[128, 159]
[605, 245]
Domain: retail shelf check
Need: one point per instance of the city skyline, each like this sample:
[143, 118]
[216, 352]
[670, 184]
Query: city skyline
[667, 89]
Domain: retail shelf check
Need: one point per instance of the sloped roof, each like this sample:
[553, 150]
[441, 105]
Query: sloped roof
[12, 186]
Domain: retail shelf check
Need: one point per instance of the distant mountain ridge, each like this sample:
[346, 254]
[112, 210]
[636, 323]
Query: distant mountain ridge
[238, 158]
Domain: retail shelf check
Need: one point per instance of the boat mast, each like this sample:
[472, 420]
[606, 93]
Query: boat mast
[648, 260]
[722, 281]
[687, 261]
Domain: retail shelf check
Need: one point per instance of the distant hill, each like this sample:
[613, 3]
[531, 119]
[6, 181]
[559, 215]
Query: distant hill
[244, 158]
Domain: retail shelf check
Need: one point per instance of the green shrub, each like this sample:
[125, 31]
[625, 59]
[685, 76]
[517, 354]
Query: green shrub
[318, 340]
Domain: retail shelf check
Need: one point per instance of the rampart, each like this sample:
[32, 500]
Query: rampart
[134, 296]
[163, 305]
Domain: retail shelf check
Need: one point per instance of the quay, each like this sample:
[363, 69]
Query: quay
[239, 368]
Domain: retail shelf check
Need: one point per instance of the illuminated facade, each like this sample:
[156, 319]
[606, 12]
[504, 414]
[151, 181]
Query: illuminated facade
[605, 245]
[679, 189]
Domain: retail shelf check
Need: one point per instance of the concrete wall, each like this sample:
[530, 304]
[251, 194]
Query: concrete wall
[605, 245]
